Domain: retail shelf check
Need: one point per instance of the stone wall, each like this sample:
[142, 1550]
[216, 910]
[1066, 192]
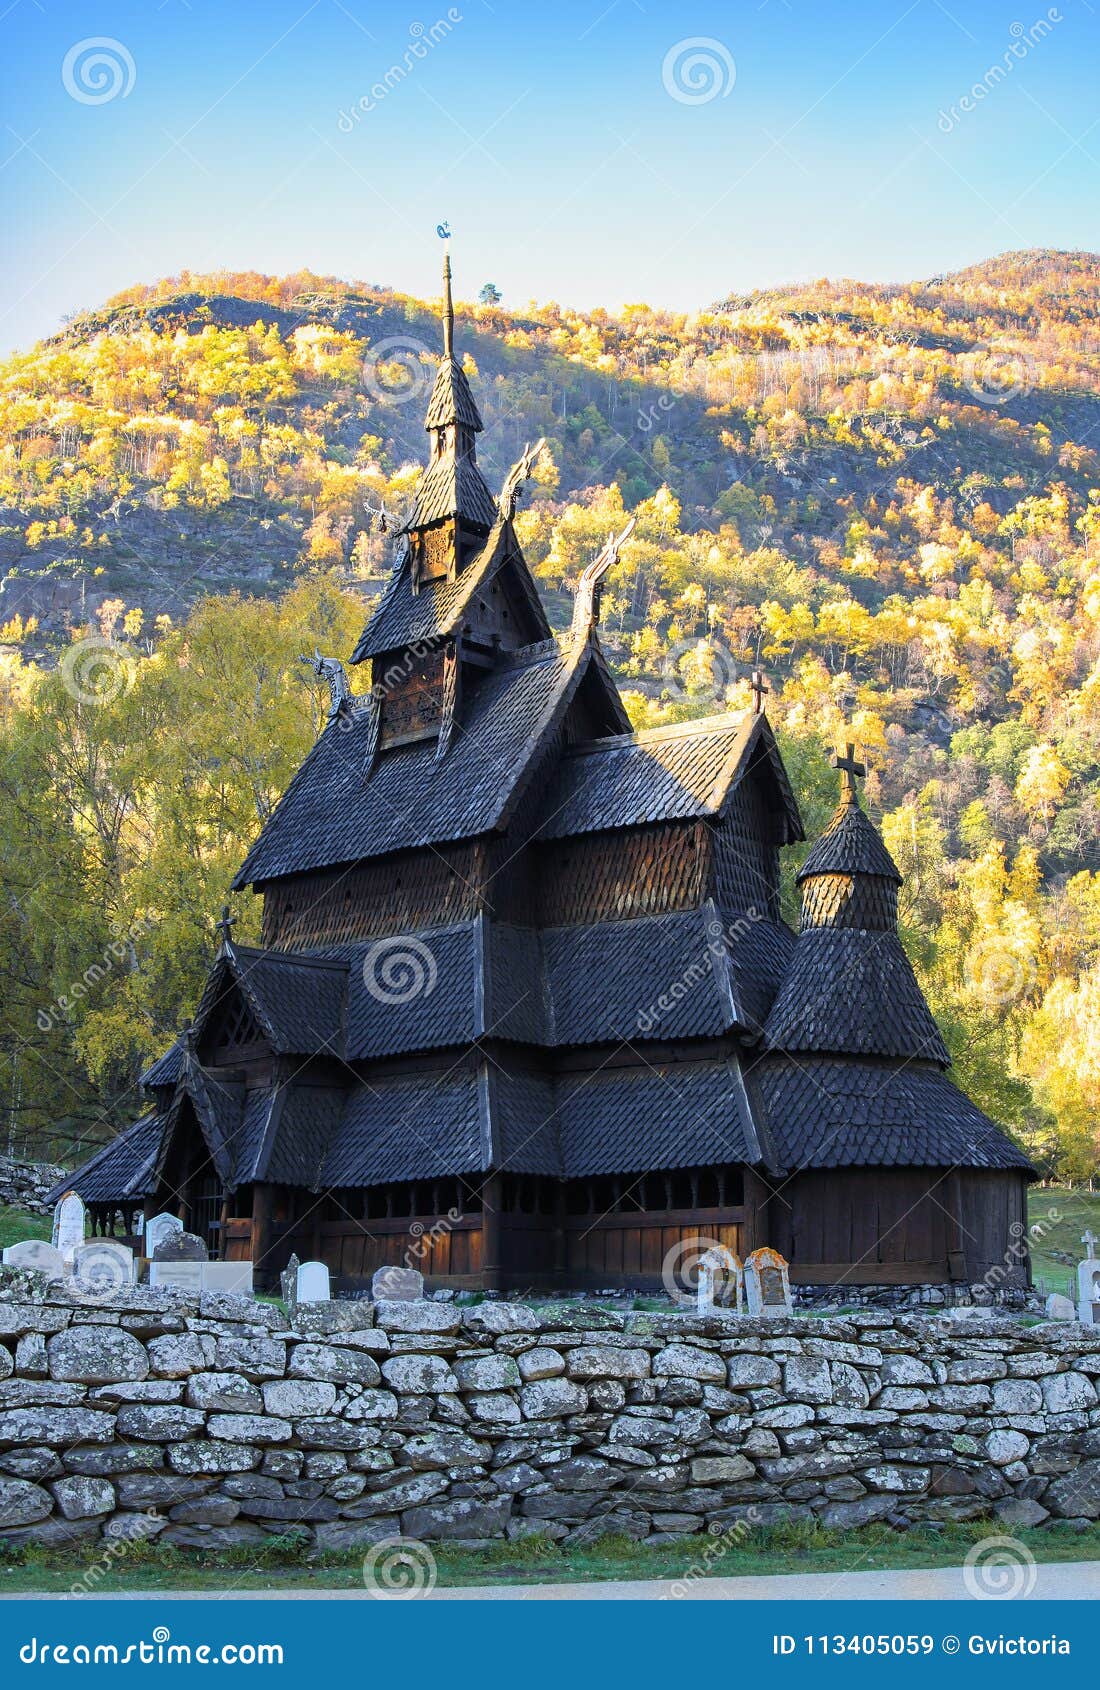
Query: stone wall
[23, 1185]
[210, 1421]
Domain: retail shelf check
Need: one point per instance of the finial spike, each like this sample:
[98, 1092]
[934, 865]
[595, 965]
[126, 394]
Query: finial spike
[448, 306]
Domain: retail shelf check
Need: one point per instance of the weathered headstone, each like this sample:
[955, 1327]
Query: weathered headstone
[68, 1224]
[767, 1284]
[158, 1228]
[313, 1283]
[1060, 1308]
[228, 1276]
[102, 1266]
[181, 1247]
[37, 1254]
[288, 1280]
[717, 1266]
[1088, 1283]
[397, 1285]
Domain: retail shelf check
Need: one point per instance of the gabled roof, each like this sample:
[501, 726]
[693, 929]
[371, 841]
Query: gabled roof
[404, 618]
[451, 399]
[329, 815]
[122, 1170]
[851, 844]
[852, 991]
[297, 1001]
[662, 774]
[832, 1112]
[165, 1070]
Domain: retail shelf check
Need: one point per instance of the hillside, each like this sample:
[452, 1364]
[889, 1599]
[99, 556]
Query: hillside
[891, 492]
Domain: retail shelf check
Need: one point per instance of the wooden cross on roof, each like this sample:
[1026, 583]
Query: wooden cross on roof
[760, 690]
[226, 925]
[850, 769]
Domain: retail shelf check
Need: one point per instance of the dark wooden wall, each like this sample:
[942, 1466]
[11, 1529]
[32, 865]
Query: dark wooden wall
[614, 876]
[394, 894]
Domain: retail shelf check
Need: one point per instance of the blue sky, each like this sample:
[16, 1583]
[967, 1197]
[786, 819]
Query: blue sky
[579, 149]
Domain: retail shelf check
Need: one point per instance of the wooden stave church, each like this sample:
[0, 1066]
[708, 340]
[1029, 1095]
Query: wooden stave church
[525, 1014]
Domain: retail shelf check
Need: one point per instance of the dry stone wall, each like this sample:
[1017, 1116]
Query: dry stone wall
[209, 1421]
[24, 1185]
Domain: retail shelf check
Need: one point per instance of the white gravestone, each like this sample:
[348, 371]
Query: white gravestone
[35, 1253]
[103, 1265]
[227, 1276]
[177, 1276]
[68, 1224]
[313, 1283]
[767, 1285]
[1088, 1283]
[158, 1228]
[397, 1285]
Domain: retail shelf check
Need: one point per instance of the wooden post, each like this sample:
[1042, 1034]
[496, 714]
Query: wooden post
[491, 1264]
[956, 1236]
[261, 1228]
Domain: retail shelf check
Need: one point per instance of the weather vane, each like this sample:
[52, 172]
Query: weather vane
[443, 230]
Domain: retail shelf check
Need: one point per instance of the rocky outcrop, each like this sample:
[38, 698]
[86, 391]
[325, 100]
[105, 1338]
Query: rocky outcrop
[212, 1420]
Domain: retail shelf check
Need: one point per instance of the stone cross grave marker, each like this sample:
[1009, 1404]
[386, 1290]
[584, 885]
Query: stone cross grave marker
[288, 1280]
[397, 1285]
[68, 1224]
[102, 1266]
[767, 1284]
[313, 1283]
[35, 1253]
[1088, 1282]
[158, 1228]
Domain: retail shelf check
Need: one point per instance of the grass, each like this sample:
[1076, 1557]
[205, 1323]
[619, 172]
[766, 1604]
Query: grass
[17, 1224]
[800, 1547]
[1057, 1250]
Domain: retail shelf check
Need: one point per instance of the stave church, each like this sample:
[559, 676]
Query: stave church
[525, 1014]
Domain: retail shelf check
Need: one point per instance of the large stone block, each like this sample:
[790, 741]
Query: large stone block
[746, 1372]
[228, 1393]
[179, 1354]
[60, 1426]
[333, 1363]
[606, 1361]
[213, 1456]
[418, 1317]
[83, 1498]
[540, 1363]
[256, 1358]
[296, 1398]
[249, 1428]
[807, 1379]
[22, 1502]
[466, 1518]
[1067, 1393]
[687, 1362]
[417, 1375]
[548, 1399]
[96, 1355]
[488, 1373]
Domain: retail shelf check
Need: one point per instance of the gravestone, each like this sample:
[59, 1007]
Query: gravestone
[158, 1228]
[68, 1224]
[102, 1266]
[180, 1247]
[716, 1266]
[1088, 1283]
[233, 1277]
[288, 1280]
[37, 1254]
[313, 1283]
[397, 1285]
[177, 1276]
[1060, 1308]
[767, 1285]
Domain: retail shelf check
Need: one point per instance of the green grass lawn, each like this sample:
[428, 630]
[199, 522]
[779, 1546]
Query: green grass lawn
[798, 1548]
[1076, 1212]
[17, 1224]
